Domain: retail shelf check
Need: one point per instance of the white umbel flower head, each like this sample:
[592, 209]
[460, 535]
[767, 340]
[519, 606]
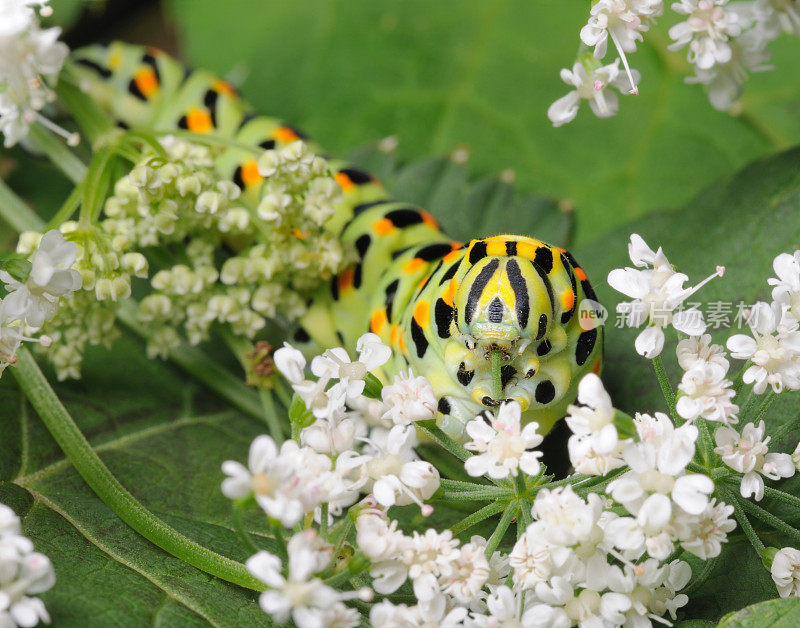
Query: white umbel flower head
[52, 277]
[622, 21]
[698, 351]
[592, 85]
[787, 283]
[30, 59]
[657, 295]
[748, 454]
[336, 364]
[502, 447]
[408, 399]
[774, 348]
[785, 571]
[706, 393]
[708, 29]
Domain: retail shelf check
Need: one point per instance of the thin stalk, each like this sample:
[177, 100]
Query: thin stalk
[708, 568]
[430, 430]
[16, 212]
[270, 414]
[771, 396]
[771, 520]
[323, 521]
[741, 517]
[88, 464]
[787, 427]
[500, 530]
[738, 382]
[67, 208]
[666, 387]
[241, 533]
[780, 496]
[467, 486]
[59, 153]
[476, 517]
[201, 367]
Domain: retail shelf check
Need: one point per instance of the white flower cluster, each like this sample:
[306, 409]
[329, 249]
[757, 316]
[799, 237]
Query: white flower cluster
[725, 40]
[300, 594]
[30, 58]
[176, 196]
[667, 504]
[25, 573]
[658, 293]
[372, 442]
[35, 301]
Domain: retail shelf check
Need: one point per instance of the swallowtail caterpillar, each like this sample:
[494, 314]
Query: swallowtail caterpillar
[443, 306]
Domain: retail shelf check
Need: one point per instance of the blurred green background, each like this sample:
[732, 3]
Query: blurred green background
[475, 74]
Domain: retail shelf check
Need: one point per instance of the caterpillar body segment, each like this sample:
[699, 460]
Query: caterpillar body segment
[443, 306]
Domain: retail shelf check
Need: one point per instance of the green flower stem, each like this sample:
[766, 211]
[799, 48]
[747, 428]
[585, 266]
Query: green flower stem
[323, 521]
[780, 496]
[86, 461]
[201, 367]
[706, 442]
[93, 122]
[59, 153]
[270, 413]
[497, 379]
[505, 521]
[479, 515]
[786, 428]
[771, 397]
[771, 520]
[473, 496]
[469, 486]
[666, 387]
[67, 209]
[741, 517]
[241, 533]
[738, 382]
[16, 212]
[277, 531]
[705, 574]
[430, 429]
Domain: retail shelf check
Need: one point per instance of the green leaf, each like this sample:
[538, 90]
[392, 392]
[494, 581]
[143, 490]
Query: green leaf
[164, 439]
[779, 613]
[482, 74]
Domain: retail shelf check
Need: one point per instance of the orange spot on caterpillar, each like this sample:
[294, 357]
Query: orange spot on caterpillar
[285, 135]
[414, 265]
[568, 299]
[580, 274]
[394, 334]
[597, 366]
[377, 321]
[450, 292]
[428, 219]
[344, 181]
[423, 283]
[383, 227]
[249, 173]
[199, 121]
[146, 82]
[401, 341]
[300, 235]
[453, 255]
[422, 313]
[346, 280]
[223, 87]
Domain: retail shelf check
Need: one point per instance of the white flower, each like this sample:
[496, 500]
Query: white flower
[533, 560]
[464, 576]
[785, 570]
[777, 15]
[623, 21]
[748, 454]
[409, 399]
[23, 573]
[657, 293]
[333, 435]
[707, 30]
[393, 473]
[787, 285]
[290, 362]
[300, 595]
[698, 351]
[594, 447]
[30, 58]
[589, 85]
[502, 446]
[774, 348]
[704, 534]
[336, 364]
[51, 278]
[286, 484]
[705, 392]
[566, 518]
[428, 556]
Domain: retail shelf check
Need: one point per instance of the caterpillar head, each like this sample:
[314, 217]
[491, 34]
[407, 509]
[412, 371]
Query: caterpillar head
[503, 304]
